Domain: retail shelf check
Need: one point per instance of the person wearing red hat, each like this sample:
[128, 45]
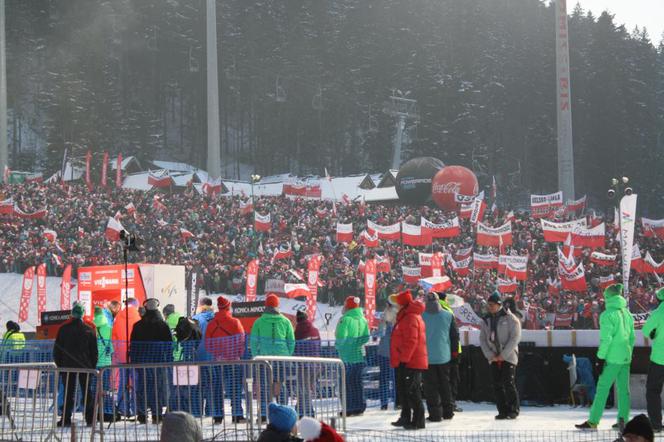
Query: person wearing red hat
[272, 335]
[351, 335]
[408, 354]
[313, 430]
[224, 340]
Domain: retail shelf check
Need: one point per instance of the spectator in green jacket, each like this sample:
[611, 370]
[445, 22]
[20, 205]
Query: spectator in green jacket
[172, 318]
[351, 335]
[105, 357]
[616, 343]
[654, 329]
[272, 335]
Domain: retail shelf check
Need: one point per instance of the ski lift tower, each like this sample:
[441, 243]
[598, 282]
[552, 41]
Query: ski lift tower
[213, 130]
[403, 109]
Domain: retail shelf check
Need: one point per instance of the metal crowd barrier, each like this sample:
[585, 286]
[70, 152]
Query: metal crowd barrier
[224, 397]
[37, 399]
[315, 387]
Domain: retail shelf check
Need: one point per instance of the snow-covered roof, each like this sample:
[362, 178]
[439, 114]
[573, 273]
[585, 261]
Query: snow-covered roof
[381, 194]
[174, 166]
[125, 163]
[137, 181]
[281, 178]
[388, 179]
[184, 179]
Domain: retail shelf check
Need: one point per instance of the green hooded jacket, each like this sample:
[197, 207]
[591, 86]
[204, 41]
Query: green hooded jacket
[172, 321]
[446, 306]
[104, 344]
[272, 335]
[656, 322]
[616, 328]
[351, 335]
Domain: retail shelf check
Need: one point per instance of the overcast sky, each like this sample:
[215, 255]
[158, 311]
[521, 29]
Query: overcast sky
[648, 13]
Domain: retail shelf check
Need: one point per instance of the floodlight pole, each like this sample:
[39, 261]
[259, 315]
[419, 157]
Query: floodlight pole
[403, 109]
[4, 153]
[213, 131]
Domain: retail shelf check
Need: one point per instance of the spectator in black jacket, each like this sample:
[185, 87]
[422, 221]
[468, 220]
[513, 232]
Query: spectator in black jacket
[76, 347]
[151, 341]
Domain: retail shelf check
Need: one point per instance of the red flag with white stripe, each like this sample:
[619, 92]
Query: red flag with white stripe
[603, 259]
[542, 206]
[383, 264]
[605, 281]
[411, 274]
[113, 229]
[262, 223]
[573, 280]
[485, 261]
[446, 229]
[461, 268]
[344, 232]
[517, 261]
[282, 252]
[296, 290]
[507, 285]
[592, 238]
[386, 233]
[369, 241]
[494, 236]
[246, 207]
[41, 290]
[517, 270]
[411, 235]
[652, 266]
[653, 227]
[130, 208]
[558, 232]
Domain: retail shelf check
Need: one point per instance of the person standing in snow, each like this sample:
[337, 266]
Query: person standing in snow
[654, 329]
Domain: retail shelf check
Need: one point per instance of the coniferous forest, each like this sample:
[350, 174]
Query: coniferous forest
[304, 83]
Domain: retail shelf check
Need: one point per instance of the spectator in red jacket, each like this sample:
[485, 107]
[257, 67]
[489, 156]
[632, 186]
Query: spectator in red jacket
[224, 340]
[408, 354]
[307, 343]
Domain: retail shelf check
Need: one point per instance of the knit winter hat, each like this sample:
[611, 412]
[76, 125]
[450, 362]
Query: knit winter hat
[313, 430]
[77, 311]
[403, 298]
[640, 426]
[613, 290]
[352, 302]
[223, 303]
[495, 298]
[660, 294]
[281, 417]
[151, 304]
[272, 300]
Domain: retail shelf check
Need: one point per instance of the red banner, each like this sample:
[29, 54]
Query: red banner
[88, 179]
[65, 289]
[41, 290]
[118, 172]
[104, 170]
[252, 281]
[370, 291]
[98, 285]
[26, 294]
[437, 264]
[313, 267]
[302, 190]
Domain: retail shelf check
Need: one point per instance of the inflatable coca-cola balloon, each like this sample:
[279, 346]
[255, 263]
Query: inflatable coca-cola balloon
[414, 179]
[451, 184]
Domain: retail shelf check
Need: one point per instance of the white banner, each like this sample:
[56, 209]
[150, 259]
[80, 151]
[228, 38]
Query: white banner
[466, 315]
[552, 199]
[627, 221]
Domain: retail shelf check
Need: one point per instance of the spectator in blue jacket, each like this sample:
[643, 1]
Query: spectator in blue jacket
[442, 342]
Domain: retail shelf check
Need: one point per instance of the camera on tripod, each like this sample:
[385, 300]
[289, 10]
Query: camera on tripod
[130, 241]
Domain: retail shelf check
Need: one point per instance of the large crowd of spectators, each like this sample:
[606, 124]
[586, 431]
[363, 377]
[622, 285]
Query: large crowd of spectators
[225, 240]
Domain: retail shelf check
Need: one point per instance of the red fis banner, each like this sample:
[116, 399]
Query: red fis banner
[487, 261]
[494, 237]
[437, 264]
[262, 223]
[412, 235]
[411, 275]
[388, 233]
[344, 232]
[118, 172]
[65, 289]
[370, 292]
[252, 281]
[602, 259]
[313, 269]
[653, 227]
[41, 290]
[26, 294]
[447, 229]
[88, 179]
[104, 170]
[424, 259]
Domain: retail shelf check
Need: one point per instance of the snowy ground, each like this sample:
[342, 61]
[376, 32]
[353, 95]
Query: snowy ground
[481, 417]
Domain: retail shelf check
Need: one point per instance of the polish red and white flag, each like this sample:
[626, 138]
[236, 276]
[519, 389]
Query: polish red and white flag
[386, 233]
[262, 223]
[485, 261]
[369, 241]
[494, 236]
[113, 229]
[446, 229]
[412, 235]
[507, 285]
[603, 259]
[344, 232]
[558, 232]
